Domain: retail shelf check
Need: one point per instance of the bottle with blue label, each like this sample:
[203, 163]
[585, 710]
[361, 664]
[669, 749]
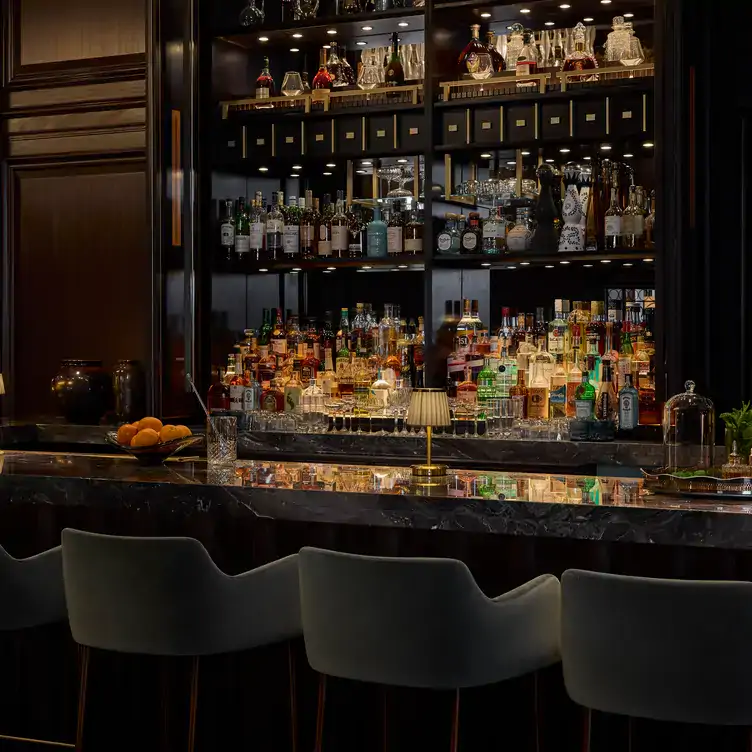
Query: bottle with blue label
[629, 406]
[376, 236]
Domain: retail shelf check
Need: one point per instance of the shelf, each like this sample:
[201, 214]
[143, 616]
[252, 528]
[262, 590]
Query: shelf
[221, 264]
[529, 260]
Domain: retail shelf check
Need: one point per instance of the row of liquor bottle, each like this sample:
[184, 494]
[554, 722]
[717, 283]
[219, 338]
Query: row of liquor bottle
[548, 359]
[306, 230]
[339, 358]
[254, 12]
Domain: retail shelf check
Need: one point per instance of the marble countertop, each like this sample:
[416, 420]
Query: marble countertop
[530, 504]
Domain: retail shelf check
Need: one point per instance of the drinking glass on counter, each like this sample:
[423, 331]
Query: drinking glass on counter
[222, 439]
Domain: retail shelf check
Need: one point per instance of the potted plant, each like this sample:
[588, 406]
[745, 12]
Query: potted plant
[739, 429]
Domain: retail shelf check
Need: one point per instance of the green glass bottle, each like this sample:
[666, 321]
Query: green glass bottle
[265, 333]
[486, 382]
[584, 399]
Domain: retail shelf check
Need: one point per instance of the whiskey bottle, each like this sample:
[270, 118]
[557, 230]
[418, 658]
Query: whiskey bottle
[257, 229]
[323, 79]
[275, 226]
[242, 236]
[470, 240]
[293, 392]
[414, 234]
[578, 59]
[494, 235]
[496, 58]
[218, 397]
[323, 232]
[613, 223]
[518, 393]
[291, 232]
[265, 82]
[340, 232]
[394, 230]
[394, 74]
[227, 227]
[308, 245]
[336, 68]
[467, 60]
[279, 339]
[467, 390]
[584, 399]
[606, 401]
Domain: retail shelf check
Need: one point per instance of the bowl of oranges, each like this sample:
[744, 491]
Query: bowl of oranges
[150, 441]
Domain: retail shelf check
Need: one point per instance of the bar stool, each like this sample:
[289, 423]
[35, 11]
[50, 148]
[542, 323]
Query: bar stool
[32, 595]
[629, 646]
[166, 597]
[407, 621]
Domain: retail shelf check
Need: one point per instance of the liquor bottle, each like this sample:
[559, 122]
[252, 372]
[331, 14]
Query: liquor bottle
[448, 240]
[574, 377]
[312, 399]
[272, 395]
[257, 230]
[584, 399]
[594, 213]
[494, 233]
[275, 227]
[357, 234]
[335, 68]
[218, 397]
[380, 390]
[629, 406]
[323, 232]
[265, 333]
[557, 396]
[467, 391]
[242, 229]
[237, 384]
[633, 235]
[323, 79]
[606, 404]
[650, 223]
[340, 232]
[308, 237]
[252, 357]
[578, 59]
[265, 82]
[613, 223]
[527, 62]
[251, 393]
[393, 363]
[394, 231]
[414, 234]
[496, 57]
[624, 363]
[291, 231]
[464, 330]
[328, 338]
[487, 387]
[279, 339]
[227, 227]
[394, 74]
[468, 58]
[558, 330]
[377, 247]
[343, 338]
[507, 368]
[518, 393]
[470, 241]
[293, 392]
[329, 384]
[294, 335]
[537, 396]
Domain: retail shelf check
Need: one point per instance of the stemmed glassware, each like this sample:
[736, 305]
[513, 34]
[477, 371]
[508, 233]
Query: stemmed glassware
[292, 85]
[252, 15]
[390, 173]
[401, 192]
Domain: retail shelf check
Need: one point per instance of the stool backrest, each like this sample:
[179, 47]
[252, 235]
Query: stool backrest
[31, 590]
[421, 622]
[671, 650]
[165, 596]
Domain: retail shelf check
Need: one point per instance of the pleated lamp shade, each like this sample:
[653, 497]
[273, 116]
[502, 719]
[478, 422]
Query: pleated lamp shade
[429, 407]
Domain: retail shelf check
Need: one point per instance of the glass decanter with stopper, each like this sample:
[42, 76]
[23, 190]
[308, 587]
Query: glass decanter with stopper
[468, 59]
[496, 57]
[336, 68]
[527, 61]
[579, 59]
[515, 43]
[634, 54]
[617, 41]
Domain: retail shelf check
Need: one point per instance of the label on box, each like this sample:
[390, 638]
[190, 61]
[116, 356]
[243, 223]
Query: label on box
[555, 120]
[452, 128]
[289, 139]
[520, 123]
[589, 117]
[486, 125]
[626, 115]
[260, 141]
[413, 131]
[380, 134]
[349, 135]
[319, 136]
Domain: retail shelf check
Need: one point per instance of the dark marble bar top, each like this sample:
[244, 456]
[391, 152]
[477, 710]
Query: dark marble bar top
[544, 505]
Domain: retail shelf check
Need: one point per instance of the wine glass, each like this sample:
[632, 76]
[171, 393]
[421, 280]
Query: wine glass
[252, 15]
[292, 84]
[402, 178]
[390, 173]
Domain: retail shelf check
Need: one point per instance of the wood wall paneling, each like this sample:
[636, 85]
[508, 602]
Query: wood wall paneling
[81, 272]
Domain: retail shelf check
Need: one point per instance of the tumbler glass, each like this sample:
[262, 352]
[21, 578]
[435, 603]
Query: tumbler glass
[222, 440]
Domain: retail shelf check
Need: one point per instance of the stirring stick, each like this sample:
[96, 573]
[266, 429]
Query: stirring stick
[195, 391]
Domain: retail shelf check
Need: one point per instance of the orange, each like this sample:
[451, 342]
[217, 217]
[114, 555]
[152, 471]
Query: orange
[154, 423]
[169, 433]
[185, 432]
[145, 438]
[126, 433]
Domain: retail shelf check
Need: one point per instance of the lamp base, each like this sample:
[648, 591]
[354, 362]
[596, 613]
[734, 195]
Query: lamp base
[429, 475]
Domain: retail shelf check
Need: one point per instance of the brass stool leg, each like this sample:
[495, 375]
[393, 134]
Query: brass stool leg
[535, 711]
[587, 717]
[293, 698]
[455, 739]
[84, 654]
[384, 720]
[320, 713]
[193, 705]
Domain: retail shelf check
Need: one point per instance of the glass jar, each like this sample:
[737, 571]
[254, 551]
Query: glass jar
[688, 431]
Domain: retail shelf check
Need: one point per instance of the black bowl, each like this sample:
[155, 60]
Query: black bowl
[154, 455]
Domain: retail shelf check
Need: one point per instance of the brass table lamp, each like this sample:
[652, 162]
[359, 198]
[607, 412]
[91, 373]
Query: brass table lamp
[429, 408]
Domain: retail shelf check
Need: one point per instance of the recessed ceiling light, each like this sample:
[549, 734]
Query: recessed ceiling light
[588, 266]
[263, 39]
[294, 175]
[549, 160]
[564, 263]
[511, 267]
[297, 167]
[587, 158]
[647, 260]
[294, 49]
[297, 36]
[327, 46]
[605, 2]
[402, 266]
[564, 6]
[629, 15]
[549, 266]
[361, 44]
[297, 269]
[330, 164]
[330, 268]
[332, 32]
[509, 28]
[263, 270]
[367, 164]
[401, 161]
[627, 156]
[368, 267]
[327, 173]
[626, 264]
[263, 169]
[524, 263]
[485, 15]
[605, 261]
[549, 23]
[648, 144]
[327, 271]
[366, 28]
[524, 10]
[589, 19]
[361, 172]
[403, 24]
[525, 153]
[486, 264]
[605, 147]
[511, 162]
[564, 151]
[485, 155]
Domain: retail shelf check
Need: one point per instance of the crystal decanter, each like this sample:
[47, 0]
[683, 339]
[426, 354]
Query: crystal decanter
[579, 59]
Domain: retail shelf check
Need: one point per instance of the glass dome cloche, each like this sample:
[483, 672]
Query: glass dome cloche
[688, 431]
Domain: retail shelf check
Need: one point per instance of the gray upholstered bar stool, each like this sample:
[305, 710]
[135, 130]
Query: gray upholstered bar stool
[165, 596]
[32, 595]
[629, 646]
[423, 623]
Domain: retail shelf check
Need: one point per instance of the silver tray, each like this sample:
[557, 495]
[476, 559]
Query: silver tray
[661, 481]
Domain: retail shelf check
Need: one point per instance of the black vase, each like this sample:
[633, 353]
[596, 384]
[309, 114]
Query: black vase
[84, 391]
[129, 387]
